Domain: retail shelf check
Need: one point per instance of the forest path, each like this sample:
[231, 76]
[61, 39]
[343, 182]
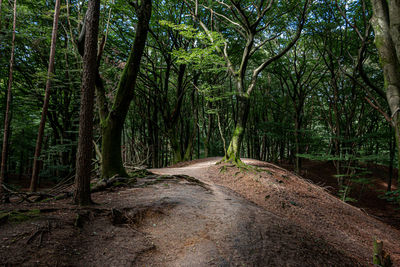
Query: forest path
[218, 227]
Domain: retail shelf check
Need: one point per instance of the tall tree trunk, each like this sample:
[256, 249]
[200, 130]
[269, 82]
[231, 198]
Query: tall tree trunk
[39, 141]
[85, 144]
[387, 41]
[112, 122]
[7, 119]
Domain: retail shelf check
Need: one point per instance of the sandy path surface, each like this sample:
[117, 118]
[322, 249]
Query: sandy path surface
[223, 229]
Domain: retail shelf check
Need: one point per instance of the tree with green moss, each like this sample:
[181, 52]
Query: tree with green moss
[255, 24]
[112, 118]
[385, 21]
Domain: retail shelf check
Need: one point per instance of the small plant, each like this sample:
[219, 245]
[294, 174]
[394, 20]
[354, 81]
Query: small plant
[344, 194]
[392, 196]
[381, 257]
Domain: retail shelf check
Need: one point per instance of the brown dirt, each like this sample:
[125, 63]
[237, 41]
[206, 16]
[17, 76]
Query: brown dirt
[234, 219]
[368, 197]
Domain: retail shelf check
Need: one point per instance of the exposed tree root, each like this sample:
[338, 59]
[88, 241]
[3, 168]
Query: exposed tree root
[238, 163]
[147, 178]
[30, 197]
[39, 232]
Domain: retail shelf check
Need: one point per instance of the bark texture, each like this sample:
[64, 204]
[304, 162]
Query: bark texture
[39, 141]
[386, 23]
[85, 146]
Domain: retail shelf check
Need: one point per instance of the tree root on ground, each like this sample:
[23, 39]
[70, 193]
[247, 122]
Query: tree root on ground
[30, 197]
[147, 178]
[238, 163]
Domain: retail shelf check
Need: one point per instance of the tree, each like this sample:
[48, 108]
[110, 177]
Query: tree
[112, 118]
[39, 141]
[85, 141]
[7, 120]
[251, 22]
[385, 21]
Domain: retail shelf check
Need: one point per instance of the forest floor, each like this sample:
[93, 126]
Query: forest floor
[224, 217]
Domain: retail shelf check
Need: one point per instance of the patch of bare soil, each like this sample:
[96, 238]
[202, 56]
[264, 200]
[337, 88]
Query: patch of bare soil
[213, 219]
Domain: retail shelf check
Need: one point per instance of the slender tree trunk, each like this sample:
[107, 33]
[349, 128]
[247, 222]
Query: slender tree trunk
[85, 144]
[150, 135]
[39, 141]
[172, 120]
[7, 119]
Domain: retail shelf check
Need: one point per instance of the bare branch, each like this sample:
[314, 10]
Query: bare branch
[263, 12]
[227, 19]
[343, 14]
[380, 110]
[257, 47]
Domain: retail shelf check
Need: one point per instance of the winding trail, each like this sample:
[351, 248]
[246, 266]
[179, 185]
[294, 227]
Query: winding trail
[217, 227]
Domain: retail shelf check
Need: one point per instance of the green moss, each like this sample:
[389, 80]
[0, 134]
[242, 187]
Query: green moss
[19, 216]
[140, 173]
[379, 41]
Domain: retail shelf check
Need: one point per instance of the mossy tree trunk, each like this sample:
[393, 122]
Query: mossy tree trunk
[233, 152]
[385, 21]
[111, 131]
[112, 118]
